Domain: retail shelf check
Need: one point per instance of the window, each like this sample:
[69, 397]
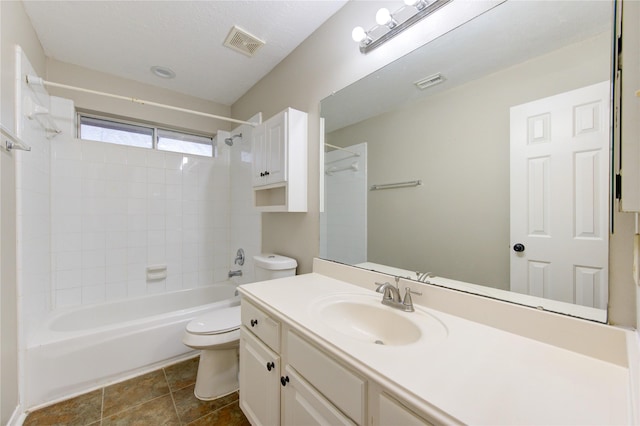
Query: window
[143, 136]
[169, 140]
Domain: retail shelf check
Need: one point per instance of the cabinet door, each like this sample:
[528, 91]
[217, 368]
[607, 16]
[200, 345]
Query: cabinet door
[629, 82]
[259, 381]
[303, 405]
[276, 146]
[259, 161]
[391, 412]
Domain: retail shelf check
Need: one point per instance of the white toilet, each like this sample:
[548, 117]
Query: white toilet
[217, 334]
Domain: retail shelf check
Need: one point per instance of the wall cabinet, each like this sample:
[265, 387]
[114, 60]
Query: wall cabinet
[280, 162]
[628, 84]
[284, 379]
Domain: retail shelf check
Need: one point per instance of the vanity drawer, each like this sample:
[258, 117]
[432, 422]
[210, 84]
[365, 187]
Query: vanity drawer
[261, 324]
[343, 388]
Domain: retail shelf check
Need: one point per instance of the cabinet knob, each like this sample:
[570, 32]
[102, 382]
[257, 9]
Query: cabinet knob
[254, 322]
[266, 173]
[261, 174]
[284, 380]
[270, 365]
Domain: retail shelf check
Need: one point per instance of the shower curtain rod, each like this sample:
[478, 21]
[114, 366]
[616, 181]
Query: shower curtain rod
[342, 149]
[34, 80]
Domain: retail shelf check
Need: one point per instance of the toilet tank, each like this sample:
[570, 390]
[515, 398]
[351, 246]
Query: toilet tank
[270, 266]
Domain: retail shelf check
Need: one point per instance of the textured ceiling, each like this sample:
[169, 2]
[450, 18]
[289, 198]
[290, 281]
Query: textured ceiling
[126, 38]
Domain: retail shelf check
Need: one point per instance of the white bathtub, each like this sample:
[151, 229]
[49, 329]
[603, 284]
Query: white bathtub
[87, 347]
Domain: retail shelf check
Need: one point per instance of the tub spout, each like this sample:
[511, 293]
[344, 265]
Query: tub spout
[237, 273]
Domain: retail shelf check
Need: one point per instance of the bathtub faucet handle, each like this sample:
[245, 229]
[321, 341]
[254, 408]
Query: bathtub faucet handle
[239, 260]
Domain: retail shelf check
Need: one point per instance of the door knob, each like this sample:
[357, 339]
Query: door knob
[518, 247]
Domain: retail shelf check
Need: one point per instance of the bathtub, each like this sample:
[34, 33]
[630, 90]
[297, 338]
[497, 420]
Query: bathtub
[84, 348]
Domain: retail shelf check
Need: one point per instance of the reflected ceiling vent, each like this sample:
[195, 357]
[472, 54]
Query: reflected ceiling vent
[243, 42]
[432, 80]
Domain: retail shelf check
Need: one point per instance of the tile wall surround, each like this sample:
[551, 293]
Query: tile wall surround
[33, 225]
[245, 221]
[117, 210]
[93, 216]
[343, 224]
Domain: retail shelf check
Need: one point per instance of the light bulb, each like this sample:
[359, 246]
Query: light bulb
[358, 34]
[383, 17]
[418, 4]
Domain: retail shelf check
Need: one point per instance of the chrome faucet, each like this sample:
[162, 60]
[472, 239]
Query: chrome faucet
[423, 277]
[237, 273]
[391, 296]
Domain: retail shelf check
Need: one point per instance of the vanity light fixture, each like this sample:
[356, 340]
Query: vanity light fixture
[391, 24]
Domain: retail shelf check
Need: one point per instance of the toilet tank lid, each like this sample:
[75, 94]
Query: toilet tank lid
[274, 262]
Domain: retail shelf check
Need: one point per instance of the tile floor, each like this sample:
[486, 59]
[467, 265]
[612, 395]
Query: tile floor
[162, 397]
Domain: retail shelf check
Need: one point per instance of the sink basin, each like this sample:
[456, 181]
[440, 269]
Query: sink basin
[370, 323]
[362, 317]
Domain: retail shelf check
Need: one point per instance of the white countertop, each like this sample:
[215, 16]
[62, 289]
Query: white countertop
[477, 374]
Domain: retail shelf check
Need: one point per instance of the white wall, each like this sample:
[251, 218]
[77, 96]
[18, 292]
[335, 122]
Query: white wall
[15, 28]
[73, 75]
[326, 62]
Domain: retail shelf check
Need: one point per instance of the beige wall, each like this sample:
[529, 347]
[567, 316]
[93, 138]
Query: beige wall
[457, 224]
[73, 75]
[15, 28]
[326, 62]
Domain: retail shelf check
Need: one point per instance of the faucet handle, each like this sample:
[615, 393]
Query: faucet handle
[407, 301]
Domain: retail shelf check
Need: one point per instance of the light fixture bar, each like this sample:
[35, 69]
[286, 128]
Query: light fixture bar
[420, 14]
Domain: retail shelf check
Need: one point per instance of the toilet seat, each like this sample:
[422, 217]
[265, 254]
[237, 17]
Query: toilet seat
[217, 321]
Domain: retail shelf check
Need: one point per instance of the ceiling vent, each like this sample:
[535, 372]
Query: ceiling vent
[426, 82]
[243, 42]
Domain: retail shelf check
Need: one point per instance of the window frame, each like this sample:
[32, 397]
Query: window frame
[147, 125]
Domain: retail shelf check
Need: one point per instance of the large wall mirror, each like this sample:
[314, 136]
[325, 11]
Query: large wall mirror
[493, 176]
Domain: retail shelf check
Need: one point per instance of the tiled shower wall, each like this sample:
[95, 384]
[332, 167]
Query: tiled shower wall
[117, 210]
[92, 217]
[33, 213]
[245, 221]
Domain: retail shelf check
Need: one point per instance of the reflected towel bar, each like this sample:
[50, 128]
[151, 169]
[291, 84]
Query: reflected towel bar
[353, 166]
[395, 185]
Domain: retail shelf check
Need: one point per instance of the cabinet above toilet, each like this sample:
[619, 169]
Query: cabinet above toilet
[280, 163]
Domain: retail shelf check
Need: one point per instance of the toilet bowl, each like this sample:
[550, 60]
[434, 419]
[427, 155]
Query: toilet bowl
[217, 335]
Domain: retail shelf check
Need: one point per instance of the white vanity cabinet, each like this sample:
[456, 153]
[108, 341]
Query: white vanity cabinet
[259, 366]
[286, 380]
[280, 162]
[259, 381]
[389, 411]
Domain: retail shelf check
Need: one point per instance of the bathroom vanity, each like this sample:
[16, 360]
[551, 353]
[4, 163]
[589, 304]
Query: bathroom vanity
[321, 348]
